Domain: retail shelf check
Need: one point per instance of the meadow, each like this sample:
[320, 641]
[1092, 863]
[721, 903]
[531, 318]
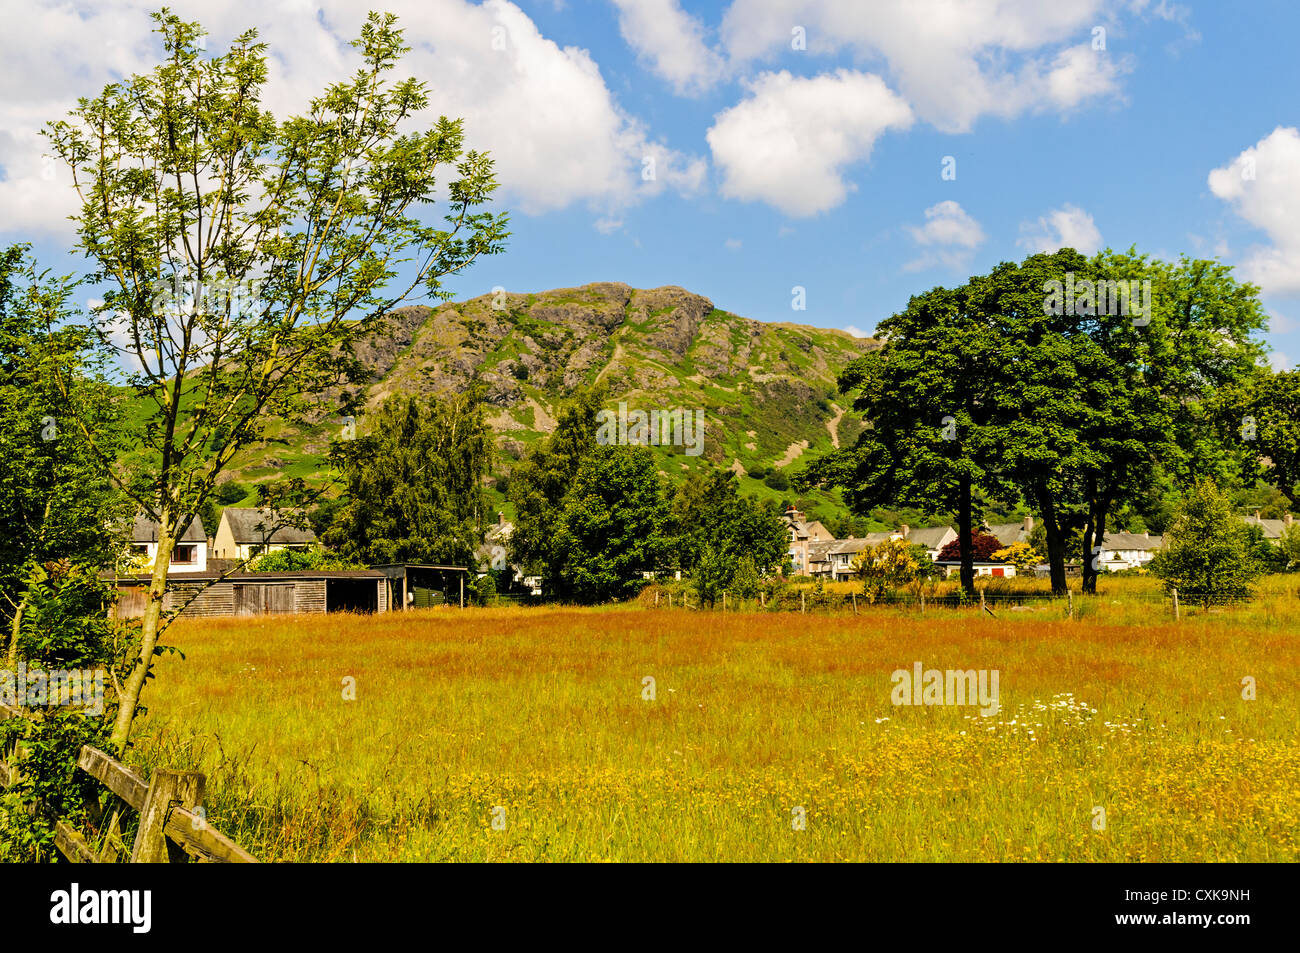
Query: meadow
[529, 734]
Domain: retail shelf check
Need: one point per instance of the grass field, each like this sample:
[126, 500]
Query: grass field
[758, 720]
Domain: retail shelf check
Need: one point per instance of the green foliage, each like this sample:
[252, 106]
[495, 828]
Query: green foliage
[1207, 552]
[745, 580]
[612, 526]
[414, 483]
[539, 483]
[483, 589]
[296, 560]
[777, 480]
[714, 527]
[1288, 546]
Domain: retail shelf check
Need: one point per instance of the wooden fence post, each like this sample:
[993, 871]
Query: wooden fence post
[670, 600]
[724, 600]
[982, 606]
[1175, 594]
[855, 602]
[803, 606]
[656, 598]
[1069, 601]
[167, 789]
[762, 599]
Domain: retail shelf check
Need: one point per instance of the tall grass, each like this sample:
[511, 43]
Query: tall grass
[541, 712]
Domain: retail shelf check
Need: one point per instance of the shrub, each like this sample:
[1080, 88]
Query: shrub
[1208, 550]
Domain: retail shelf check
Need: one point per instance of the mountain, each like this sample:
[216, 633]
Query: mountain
[767, 390]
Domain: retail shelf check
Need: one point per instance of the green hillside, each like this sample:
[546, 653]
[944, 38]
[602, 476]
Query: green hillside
[767, 390]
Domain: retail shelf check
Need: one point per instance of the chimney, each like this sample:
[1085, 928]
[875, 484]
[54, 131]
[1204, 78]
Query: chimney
[501, 518]
[1029, 524]
[1257, 514]
[904, 529]
[1286, 519]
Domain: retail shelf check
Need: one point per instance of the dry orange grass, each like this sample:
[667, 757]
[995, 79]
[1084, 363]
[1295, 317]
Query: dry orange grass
[758, 720]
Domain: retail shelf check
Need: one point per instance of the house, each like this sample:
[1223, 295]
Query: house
[189, 555]
[933, 538]
[997, 570]
[803, 533]
[246, 532]
[495, 551]
[1008, 533]
[210, 593]
[1272, 528]
[1122, 551]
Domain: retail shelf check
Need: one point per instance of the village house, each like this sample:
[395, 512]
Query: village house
[1008, 533]
[248, 532]
[1122, 551]
[802, 534]
[840, 554]
[1273, 529]
[189, 555]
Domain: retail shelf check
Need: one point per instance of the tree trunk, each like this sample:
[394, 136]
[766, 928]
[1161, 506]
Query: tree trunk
[964, 529]
[149, 628]
[1091, 541]
[1055, 544]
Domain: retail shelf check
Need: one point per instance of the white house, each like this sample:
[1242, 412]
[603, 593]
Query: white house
[1122, 551]
[247, 532]
[189, 555]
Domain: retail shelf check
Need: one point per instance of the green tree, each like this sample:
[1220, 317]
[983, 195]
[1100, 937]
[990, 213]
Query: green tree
[927, 395]
[294, 560]
[55, 499]
[1207, 552]
[245, 256]
[414, 483]
[710, 514]
[539, 483]
[612, 526]
[1270, 427]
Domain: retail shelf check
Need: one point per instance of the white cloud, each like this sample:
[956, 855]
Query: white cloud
[790, 140]
[949, 237]
[1279, 361]
[952, 61]
[1066, 227]
[671, 42]
[856, 331]
[733, 244]
[543, 111]
[1262, 185]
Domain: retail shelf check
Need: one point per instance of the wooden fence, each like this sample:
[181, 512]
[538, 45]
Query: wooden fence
[173, 828]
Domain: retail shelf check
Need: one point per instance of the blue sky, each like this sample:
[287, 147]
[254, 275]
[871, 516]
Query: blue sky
[778, 167]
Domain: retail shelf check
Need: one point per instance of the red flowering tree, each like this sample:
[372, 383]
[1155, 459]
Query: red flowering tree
[983, 546]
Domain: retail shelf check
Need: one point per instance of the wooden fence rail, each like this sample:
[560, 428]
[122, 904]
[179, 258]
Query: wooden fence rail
[172, 827]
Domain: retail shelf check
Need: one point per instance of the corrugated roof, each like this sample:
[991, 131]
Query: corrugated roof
[250, 524]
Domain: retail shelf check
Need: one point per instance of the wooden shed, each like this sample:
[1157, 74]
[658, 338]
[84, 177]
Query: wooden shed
[259, 593]
[422, 585]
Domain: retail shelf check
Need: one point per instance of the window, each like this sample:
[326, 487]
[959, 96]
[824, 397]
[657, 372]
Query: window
[188, 553]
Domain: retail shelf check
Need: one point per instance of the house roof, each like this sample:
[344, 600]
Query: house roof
[214, 576]
[1008, 533]
[931, 537]
[145, 530]
[251, 524]
[819, 551]
[1143, 542]
[1272, 528]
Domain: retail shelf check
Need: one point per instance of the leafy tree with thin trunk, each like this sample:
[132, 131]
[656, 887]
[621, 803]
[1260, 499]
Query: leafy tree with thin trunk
[1207, 554]
[245, 256]
[927, 395]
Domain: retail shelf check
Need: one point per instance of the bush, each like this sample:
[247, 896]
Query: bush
[1208, 554]
[778, 481]
[296, 560]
